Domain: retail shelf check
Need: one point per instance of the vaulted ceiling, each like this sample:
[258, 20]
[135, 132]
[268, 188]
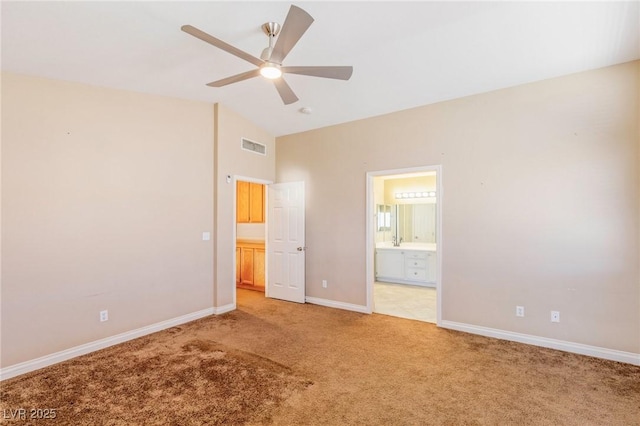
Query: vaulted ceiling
[404, 54]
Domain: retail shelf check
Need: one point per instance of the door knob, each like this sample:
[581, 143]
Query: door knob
[301, 248]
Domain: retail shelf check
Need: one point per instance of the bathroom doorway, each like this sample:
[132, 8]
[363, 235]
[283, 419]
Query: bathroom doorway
[404, 243]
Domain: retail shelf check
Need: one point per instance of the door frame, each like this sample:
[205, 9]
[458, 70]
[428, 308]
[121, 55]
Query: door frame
[235, 180]
[370, 234]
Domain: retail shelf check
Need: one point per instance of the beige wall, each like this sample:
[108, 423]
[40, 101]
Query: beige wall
[231, 160]
[105, 195]
[541, 203]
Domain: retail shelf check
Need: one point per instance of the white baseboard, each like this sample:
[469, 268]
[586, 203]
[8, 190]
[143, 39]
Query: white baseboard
[339, 305]
[224, 309]
[35, 364]
[578, 348]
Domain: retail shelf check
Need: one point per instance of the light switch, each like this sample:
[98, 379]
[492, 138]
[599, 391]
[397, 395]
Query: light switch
[206, 236]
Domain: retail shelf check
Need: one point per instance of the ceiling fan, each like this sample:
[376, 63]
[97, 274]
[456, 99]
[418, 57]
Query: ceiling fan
[270, 62]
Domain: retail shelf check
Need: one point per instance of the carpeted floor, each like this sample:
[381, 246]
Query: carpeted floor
[281, 363]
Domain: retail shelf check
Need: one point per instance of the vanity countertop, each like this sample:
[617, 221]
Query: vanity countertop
[408, 246]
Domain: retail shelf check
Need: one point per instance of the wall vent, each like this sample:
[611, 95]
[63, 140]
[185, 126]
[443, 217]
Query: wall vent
[252, 146]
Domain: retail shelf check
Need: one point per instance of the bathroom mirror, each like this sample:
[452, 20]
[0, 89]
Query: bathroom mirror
[415, 223]
[384, 217]
[383, 222]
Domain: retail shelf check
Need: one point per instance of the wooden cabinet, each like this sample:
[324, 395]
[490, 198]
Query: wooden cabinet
[258, 267]
[249, 202]
[238, 262]
[246, 266]
[256, 203]
[250, 261]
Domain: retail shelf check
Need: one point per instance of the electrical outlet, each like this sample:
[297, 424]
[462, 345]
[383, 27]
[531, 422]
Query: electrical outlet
[519, 311]
[104, 316]
[555, 316]
[324, 283]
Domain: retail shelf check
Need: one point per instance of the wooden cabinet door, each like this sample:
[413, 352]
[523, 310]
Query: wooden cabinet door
[246, 268]
[250, 265]
[256, 203]
[238, 263]
[249, 202]
[242, 202]
[258, 267]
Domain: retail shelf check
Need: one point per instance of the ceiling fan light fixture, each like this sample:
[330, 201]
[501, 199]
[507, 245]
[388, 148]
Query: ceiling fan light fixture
[270, 71]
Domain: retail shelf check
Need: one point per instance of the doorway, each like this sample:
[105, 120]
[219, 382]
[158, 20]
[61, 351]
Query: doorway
[249, 236]
[273, 236]
[404, 243]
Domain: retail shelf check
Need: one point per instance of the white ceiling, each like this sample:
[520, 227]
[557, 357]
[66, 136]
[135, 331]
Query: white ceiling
[404, 54]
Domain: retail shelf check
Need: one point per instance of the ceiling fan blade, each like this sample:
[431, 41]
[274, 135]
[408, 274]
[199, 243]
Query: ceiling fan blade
[285, 92]
[295, 25]
[235, 78]
[221, 45]
[339, 73]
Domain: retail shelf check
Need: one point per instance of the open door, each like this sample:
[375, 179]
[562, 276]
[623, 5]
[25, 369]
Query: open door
[285, 242]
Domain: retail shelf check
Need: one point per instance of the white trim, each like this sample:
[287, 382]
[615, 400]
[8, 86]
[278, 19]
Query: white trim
[251, 179]
[338, 305]
[430, 284]
[578, 348]
[370, 240]
[224, 309]
[47, 360]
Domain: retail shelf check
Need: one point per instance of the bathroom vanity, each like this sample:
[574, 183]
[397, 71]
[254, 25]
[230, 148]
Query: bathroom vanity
[409, 263]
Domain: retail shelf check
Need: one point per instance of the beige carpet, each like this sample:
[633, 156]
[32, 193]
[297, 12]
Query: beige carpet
[291, 364]
[163, 379]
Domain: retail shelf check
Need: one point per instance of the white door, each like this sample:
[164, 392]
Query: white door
[285, 241]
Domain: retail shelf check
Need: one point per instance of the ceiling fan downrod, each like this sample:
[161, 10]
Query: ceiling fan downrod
[271, 29]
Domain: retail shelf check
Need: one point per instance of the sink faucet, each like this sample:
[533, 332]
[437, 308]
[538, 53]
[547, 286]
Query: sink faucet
[396, 242]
